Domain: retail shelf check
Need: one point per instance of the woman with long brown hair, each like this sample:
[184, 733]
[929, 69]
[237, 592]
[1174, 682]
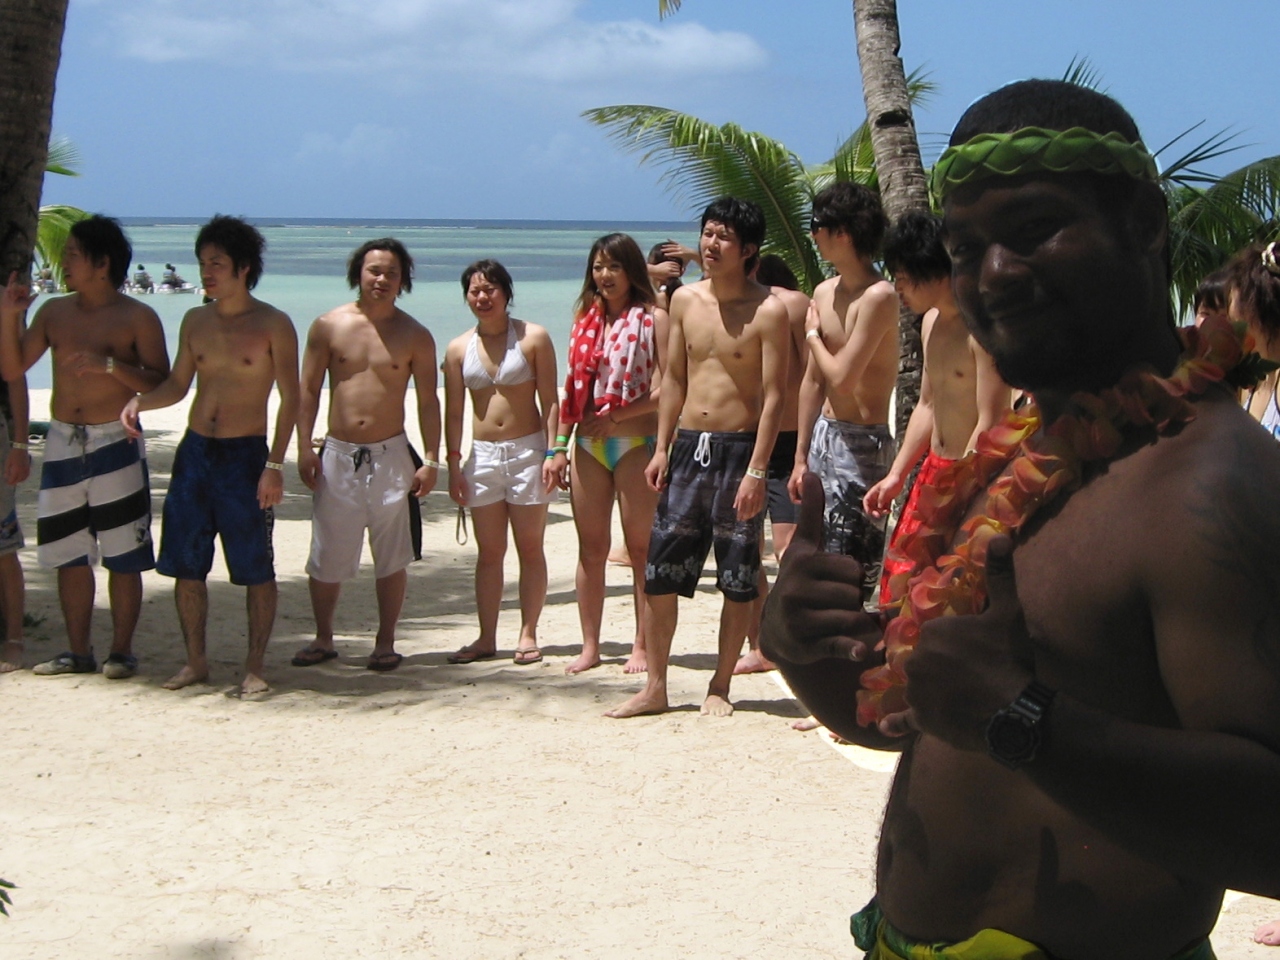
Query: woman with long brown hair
[617, 352]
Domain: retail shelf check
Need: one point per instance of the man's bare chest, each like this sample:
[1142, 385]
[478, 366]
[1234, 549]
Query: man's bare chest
[91, 333]
[231, 350]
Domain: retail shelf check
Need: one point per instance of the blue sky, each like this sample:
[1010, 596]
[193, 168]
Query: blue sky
[470, 108]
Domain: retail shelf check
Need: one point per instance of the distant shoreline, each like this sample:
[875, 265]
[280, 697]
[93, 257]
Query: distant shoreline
[478, 223]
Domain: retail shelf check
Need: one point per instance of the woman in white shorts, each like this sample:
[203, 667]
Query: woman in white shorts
[617, 352]
[509, 368]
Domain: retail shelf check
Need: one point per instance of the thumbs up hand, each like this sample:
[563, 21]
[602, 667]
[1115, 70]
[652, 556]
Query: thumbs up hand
[964, 669]
[814, 610]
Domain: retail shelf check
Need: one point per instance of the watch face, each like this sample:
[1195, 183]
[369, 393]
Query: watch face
[1011, 737]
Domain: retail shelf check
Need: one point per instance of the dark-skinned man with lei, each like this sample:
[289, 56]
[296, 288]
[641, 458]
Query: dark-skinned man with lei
[1083, 673]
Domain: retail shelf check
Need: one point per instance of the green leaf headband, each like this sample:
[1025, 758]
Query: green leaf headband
[1036, 150]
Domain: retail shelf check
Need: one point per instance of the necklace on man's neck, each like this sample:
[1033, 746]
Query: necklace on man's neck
[1021, 465]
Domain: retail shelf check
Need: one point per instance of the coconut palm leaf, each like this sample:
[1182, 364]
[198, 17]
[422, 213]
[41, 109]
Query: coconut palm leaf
[703, 161]
[667, 7]
[52, 232]
[64, 158]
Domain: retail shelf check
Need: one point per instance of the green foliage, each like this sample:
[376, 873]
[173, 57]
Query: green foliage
[56, 219]
[667, 7]
[5, 902]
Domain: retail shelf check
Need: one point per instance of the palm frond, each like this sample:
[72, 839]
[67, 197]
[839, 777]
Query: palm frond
[667, 7]
[54, 227]
[855, 159]
[703, 161]
[64, 158]
[1082, 73]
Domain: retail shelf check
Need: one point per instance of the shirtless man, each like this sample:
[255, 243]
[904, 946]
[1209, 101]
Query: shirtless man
[774, 273]
[726, 368]
[852, 332]
[93, 484]
[1089, 763]
[367, 475]
[225, 481]
[961, 393]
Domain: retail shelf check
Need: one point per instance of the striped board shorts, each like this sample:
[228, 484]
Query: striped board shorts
[94, 496]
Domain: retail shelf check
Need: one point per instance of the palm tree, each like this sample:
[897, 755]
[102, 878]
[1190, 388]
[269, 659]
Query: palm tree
[57, 219]
[704, 161]
[30, 48]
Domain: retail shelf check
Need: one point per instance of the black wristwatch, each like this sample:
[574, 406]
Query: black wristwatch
[1014, 733]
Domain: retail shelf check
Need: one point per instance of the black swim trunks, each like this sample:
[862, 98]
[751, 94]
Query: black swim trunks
[214, 491]
[696, 513]
[781, 463]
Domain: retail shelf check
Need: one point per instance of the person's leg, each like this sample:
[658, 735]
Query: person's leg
[260, 602]
[490, 526]
[661, 627]
[125, 591]
[734, 619]
[191, 597]
[338, 518]
[528, 525]
[13, 595]
[591, 493]
[390, 590]
[75, 594]
[753, 661]
[324, 601]
[637, 503]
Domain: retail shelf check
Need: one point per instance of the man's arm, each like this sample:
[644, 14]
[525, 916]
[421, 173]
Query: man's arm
[19, 350]
[877, 317]
[18, 467]
[915, 441]
[812, 392]
[152, 365]
[994, 395]
[284, 369]
[774, 351]
[674, 385]
[315, 364]
[424, 388]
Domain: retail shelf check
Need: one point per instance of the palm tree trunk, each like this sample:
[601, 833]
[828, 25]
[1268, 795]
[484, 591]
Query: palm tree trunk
[903, 187]
[30, 47]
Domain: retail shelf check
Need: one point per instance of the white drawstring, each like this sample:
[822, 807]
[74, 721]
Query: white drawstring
[702, 453]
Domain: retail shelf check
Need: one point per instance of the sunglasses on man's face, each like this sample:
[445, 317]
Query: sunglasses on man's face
[815, 225]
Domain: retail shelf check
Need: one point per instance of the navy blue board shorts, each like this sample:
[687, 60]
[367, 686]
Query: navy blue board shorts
[214, 492]
[695, 513]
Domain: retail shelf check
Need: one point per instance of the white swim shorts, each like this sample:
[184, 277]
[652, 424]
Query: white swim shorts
[363, 487]
[509, 470]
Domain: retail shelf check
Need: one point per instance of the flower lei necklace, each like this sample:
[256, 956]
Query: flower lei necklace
[1041, 466]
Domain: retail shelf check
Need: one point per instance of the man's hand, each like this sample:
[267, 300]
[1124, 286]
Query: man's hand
[84, 363]
[814, 610]
[424, 481]
[879, 499]
[457, 484]
[270, 488]
[129, 419]
[665, 272]
[308, 466]
[750, 497]
[656, 472]
[813, 319]
[17, 298]
[795, 485]
[964, 669]
[17, 467]
[685, 254]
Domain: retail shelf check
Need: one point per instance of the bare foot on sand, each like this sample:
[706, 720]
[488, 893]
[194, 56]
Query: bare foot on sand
[808, 723]
[642, 703]
[716, 706]
[753, 661]
[583, 663]
[637, 662]
[11, 656]
[186, 677]
[1268, 933]
[619, 556]
[253, 684]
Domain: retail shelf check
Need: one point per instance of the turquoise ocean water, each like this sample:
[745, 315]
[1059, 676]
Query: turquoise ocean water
[306, 267]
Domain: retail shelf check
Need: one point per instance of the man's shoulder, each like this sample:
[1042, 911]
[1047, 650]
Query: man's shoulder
[878, 293]
[135, 311]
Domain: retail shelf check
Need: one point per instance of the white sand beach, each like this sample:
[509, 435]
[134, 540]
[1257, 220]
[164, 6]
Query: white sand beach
[487, 810]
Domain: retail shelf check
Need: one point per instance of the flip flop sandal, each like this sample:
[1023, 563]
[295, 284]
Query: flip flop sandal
[384, 662]
[310, 656]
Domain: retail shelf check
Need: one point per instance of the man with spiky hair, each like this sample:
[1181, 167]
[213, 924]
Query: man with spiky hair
[1084, 675]
[226, 481]
[94, 495]
[726, 369]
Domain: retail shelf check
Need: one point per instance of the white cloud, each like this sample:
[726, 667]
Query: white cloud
[541, 40]
[364, 144]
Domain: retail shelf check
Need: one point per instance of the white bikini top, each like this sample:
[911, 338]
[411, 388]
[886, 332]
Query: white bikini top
[513, 370]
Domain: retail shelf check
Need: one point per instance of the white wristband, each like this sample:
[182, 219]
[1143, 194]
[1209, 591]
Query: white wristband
[272, 465]
[20, 446]
[813, 335]
[756, 474]
[111, 364]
